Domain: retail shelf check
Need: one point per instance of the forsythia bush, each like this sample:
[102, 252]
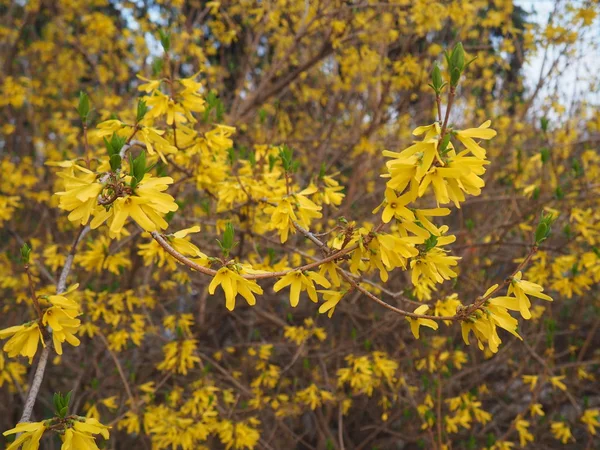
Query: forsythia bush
[179, 179]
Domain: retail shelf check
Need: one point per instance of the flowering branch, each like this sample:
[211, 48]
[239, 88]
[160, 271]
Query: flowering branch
[43, 361]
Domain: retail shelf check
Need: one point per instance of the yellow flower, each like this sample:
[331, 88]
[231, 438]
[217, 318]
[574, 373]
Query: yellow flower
[521, 289]
[30, 438]
[62, 301]
[591, 419]
[110, 402]
[306, 208]
[161, 105]
[330, 268]
[191, 100]
[301, 281]
[531, 380]
[482, 132]
[561, 431]
[416, 323]
[130, 423]
[92, 426]
[502, 445]
[423, 218]
[434, 265]
[232, 285]
[497, 309]
[332, 298]
[484, 328]
[145, 207]
[240, 435]
[536, 409]
[155, 143]
[184, 246]
[149, 86]
[557, 382]
[80, 195]
[24, 340]
[64, 328]
[396, 207]
[282, 218]
[179, 356]
[80, 436]
[522, 427]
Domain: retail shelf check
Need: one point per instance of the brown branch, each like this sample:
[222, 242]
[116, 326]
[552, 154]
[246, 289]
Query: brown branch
[43, 361]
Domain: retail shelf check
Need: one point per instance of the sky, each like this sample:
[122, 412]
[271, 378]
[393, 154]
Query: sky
[575, 81]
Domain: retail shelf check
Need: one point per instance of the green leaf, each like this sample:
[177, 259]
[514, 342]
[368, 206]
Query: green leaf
[56, 402]
[437, 83]
[84, 107]
[115, 162]
[322, 171]
[139, 168]
[457, 58]
[165, 40]
[157, 66]
[68, 398]
[252, 157]
[25, 253]
[262, 115]
[114, 146]
[430, 243]
[220, 111]
[227, 243]
[231, 156]
[108, 146]
[558, 193]
[541, 232]
[285, 155]
[272, 161]
[454, 77]
[577, 168]
[444, 144]
[142, 109]
[63, 411]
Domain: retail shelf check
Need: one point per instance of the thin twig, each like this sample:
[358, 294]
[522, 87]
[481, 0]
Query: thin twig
[41, 367]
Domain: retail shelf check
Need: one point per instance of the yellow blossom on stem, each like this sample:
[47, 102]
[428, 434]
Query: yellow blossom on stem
[80, 195]
[557, 382]
[416, 323]
[531, 380]
[522, 427]
[332, 298]
[30, 435]
[233, 284]
[301, 281]
[24, 340]
[145, 207]
[522, 289]
[536, 410]
[482, 132]
[396, 207]
[561, 431]
[591, 418]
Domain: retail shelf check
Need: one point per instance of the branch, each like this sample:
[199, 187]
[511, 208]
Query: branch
[255, 276]
[41, 367]
[35, 386]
